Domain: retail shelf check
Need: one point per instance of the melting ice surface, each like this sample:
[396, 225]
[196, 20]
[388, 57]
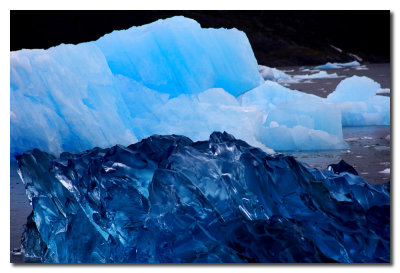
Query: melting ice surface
[168, 199]
[167, 77]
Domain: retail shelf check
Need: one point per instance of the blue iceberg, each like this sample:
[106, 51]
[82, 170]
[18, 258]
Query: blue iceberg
[75, 97]
[169, 77]
[169, 199]
[357, 99]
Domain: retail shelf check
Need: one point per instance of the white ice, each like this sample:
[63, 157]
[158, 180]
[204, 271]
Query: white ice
[319, 75]
[330, 65]
[385, 171]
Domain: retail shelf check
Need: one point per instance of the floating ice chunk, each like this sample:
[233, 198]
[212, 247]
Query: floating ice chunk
[383, 91]
[387, 137]
[273, 74]
[385, 171]
[308, 123]
[359, 104]
[282, 138]
[169, 199]
[330, 65]
[363, 67]
[319, 75]
[354, 88]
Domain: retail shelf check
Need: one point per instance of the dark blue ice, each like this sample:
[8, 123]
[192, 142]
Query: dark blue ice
[168, 199]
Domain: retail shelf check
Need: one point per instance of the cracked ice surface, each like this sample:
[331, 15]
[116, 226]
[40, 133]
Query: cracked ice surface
[168, 199]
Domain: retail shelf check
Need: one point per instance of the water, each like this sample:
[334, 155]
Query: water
[369, 150]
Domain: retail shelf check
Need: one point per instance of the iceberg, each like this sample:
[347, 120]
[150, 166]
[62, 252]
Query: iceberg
[168, 77]
[300, 125]
[171, 77]
[359, 103]
[294, 120]
[169, 199]
[75, 97]
[330, 65]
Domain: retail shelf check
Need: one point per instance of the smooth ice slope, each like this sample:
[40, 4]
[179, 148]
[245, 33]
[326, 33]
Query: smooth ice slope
[360, 106]
[168, 199]
[75, 97]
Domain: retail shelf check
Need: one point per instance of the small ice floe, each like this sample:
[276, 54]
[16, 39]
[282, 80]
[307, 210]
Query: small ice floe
[366, 137]
[382, 148]
[319, 75]
[364, 173]
[359, 156]
[309, 70]
[363, 67]
[383, 91]
[330, 65]
[385, 171]
[352, 139]
[387, 137]
[385, 163]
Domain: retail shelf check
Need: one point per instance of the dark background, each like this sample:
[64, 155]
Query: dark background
[278, 38]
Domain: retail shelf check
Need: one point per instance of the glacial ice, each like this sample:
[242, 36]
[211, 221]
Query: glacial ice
[299, 125]
[273, 74]
[293, 119]
[319, 75]
[168, 77]
[360, 106]
[168, 199]
[75, 97]
[330, 65]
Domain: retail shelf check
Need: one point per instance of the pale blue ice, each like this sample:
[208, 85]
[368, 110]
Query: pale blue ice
[359, 103]
[168, 77]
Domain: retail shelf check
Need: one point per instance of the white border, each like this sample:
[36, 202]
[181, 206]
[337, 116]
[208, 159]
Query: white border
[182, 4]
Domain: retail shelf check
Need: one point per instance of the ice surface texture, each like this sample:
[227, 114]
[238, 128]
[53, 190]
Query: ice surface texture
[75, 97]
[168, 77]
[360, 106]
[273, 74]
[168, 199]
